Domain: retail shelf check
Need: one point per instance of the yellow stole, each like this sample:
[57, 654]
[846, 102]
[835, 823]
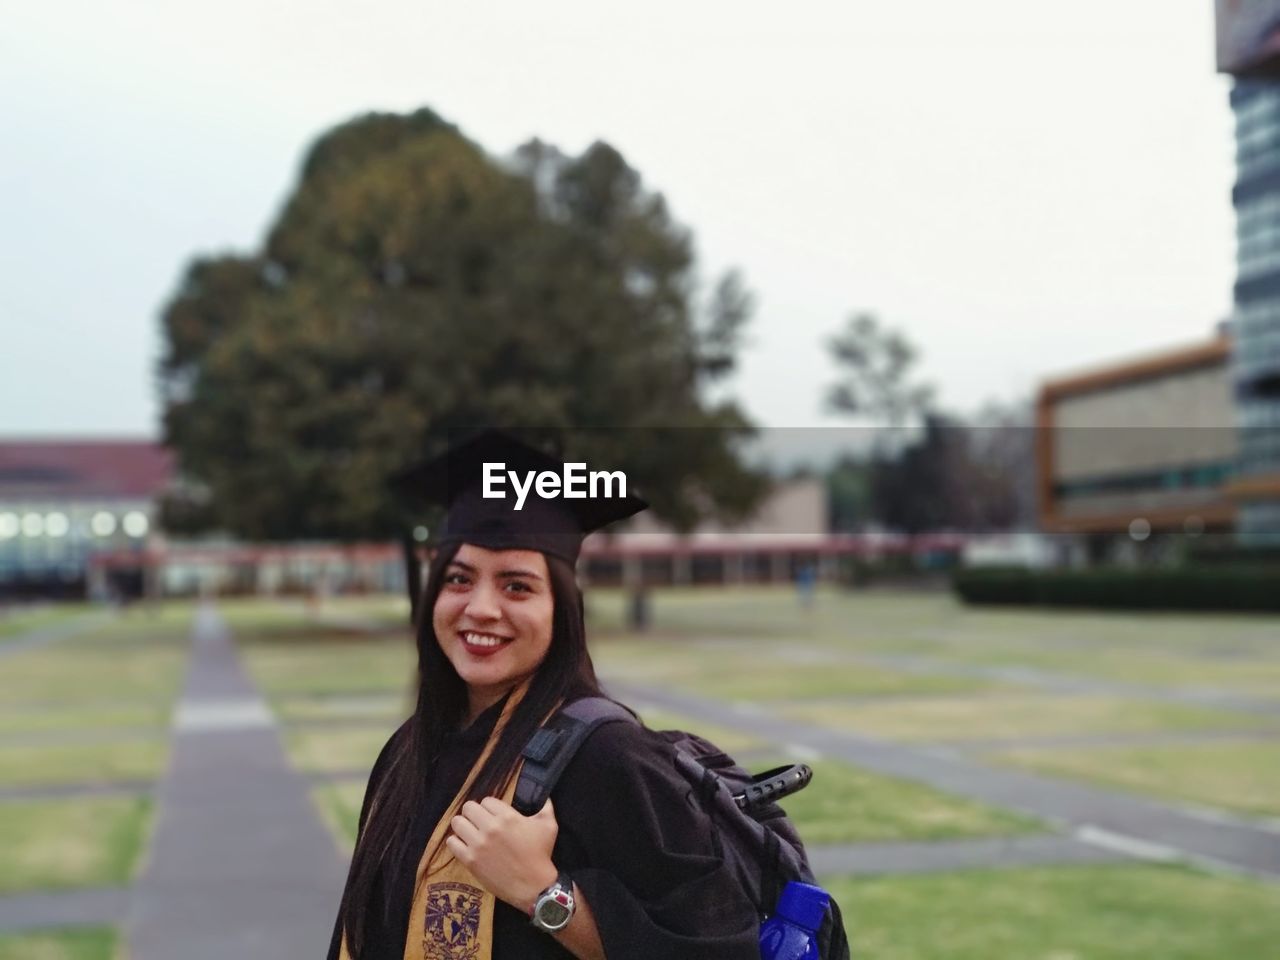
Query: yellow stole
[452, 914]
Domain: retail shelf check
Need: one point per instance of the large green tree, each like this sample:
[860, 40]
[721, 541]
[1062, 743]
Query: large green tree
[414, 286]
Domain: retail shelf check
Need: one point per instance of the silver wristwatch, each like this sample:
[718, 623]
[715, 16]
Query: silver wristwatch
[553, 909]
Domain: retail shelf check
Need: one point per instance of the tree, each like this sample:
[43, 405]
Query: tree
[875, 362]
[413, 287]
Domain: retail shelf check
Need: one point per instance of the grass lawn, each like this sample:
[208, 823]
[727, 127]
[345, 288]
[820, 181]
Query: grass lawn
[1242, 776]
[59, 844]
[336, 749]
[328, 664]
[339, 806]
[1235, 651]
[84, 944]
[1061, 913]
[81, 674]
[745, 672]
[47, 719]
[47, 764]
[1006, 715]
[845, 804]
[19, 620]
[267, 619]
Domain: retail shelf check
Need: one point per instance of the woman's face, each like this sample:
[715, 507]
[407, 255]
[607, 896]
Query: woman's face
[493, 619]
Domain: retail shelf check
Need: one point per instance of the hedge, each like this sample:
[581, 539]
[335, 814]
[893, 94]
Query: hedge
[1186, 588]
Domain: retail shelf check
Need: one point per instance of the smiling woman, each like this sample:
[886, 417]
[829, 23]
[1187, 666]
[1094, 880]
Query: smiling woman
[444, 866]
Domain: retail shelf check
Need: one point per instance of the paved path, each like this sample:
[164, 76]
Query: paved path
[1106, 817]
[1150, 738]
[240, 865]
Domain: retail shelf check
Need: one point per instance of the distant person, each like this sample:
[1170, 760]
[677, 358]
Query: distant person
[806, 584]
[619, 863]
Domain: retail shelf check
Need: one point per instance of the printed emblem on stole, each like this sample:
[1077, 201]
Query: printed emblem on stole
[453, 922]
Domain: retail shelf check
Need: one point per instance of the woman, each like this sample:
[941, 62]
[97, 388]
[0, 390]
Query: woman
[620, 863]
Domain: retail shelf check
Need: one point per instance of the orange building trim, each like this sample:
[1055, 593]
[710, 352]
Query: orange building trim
[1219, 515]
[1262, 487]
[1217, 350]
[1207, 354]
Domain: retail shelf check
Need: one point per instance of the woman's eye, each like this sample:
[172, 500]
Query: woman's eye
[517, 587]
[456, 578]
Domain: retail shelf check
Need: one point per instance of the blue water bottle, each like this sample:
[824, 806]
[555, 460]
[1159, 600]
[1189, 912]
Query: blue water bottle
[792, 932]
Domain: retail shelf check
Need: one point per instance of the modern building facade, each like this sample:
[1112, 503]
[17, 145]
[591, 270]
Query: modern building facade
[1135, 457]
[1248, 44]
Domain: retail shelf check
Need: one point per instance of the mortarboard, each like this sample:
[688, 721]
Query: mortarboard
[522, 517]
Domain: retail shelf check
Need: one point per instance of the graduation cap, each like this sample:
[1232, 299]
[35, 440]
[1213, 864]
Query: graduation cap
[502, 494]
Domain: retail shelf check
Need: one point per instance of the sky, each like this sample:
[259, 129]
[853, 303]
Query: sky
[1025, 189]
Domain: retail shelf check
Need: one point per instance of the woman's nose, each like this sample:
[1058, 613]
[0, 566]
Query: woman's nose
[483, 604]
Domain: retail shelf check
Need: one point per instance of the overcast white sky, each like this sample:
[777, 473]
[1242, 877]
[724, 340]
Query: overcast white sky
[1025, 188]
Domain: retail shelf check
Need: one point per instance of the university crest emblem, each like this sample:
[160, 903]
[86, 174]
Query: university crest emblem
[453, 922]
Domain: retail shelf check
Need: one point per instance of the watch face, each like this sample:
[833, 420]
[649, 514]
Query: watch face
[552, 913]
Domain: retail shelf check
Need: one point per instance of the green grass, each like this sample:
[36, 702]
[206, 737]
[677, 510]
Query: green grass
[70, 718]
[336, 749]
[1239, 776]
[746, 672]
[61, 844]
[268, 619]
[845, 804]
[1061, 913]
[78, 674]
[48, 764]
[339, 806]
[17, 621]
[328, 664]
[946, 719]
[86, 944]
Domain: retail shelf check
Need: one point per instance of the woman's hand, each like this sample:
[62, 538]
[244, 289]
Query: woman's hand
[510, 854]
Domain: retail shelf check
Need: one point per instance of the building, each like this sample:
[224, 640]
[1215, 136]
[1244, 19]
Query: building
[1248, 49]
[1131, 453]
[65, 502]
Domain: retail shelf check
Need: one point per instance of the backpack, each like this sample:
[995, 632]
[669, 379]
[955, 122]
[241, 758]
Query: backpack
[756, 837]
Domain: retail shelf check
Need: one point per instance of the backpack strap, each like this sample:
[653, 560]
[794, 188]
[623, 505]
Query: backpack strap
[553, 746]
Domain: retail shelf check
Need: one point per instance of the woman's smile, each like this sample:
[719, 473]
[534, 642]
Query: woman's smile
[483, 644]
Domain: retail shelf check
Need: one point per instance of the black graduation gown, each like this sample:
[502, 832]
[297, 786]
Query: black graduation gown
[641, 853]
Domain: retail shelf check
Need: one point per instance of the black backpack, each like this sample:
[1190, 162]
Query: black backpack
[756, 836]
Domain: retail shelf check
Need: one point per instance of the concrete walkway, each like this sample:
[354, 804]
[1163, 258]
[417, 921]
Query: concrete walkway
[1103, 817]
[240, 865]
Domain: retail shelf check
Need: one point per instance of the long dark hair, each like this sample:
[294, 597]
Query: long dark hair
[565, 673]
